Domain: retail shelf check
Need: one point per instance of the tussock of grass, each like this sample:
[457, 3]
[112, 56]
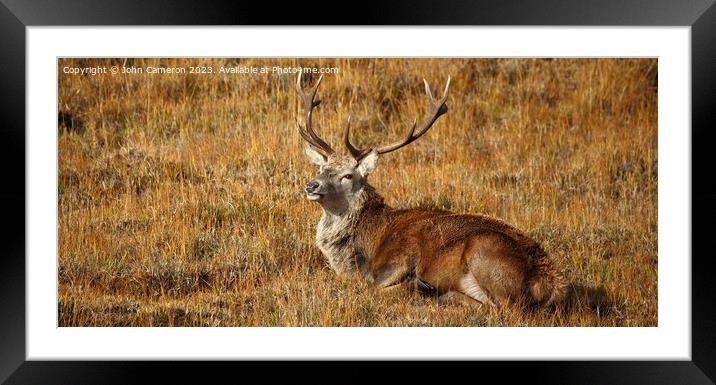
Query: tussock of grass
[180, 197]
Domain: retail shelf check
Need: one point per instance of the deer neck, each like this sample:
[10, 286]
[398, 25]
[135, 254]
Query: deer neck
[337, 232]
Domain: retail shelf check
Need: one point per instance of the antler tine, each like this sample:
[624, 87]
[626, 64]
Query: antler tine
[445, 91]
[437, 109]
[357, 153]
[308, 134]
[427, 89]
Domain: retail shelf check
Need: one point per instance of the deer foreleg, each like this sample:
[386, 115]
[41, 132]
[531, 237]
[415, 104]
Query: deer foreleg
[389, 276]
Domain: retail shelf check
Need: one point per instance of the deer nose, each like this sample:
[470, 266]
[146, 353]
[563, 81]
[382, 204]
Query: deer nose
[312, 186]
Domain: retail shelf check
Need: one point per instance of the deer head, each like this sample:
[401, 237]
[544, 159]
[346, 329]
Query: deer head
[340, 177]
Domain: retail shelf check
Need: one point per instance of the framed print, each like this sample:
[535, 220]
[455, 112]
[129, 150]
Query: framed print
[487, 190]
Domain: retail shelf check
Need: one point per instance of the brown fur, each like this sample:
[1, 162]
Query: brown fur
[393, 246]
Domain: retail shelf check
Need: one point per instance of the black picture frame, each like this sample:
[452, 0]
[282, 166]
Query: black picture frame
[16, 15]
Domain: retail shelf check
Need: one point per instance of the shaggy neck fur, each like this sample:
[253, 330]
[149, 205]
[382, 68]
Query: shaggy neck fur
[337, 235]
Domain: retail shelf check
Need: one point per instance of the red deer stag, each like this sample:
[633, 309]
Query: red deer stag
[454, 256]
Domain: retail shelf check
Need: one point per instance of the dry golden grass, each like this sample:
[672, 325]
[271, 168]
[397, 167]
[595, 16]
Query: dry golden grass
[180, 196]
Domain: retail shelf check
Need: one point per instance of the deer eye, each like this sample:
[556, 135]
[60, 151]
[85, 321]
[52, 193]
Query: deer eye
[347, 176]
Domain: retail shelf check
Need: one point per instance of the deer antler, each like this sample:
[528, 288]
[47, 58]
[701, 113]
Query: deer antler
[309, 104]
[437, 108]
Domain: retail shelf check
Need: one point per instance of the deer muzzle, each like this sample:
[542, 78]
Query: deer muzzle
[312, 189]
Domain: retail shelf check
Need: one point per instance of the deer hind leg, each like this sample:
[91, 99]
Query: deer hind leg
[469, 292]
[451, 297]
[468, 286]
[457, 298]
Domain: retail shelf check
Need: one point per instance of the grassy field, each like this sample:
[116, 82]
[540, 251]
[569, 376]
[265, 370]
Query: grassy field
[180, 196]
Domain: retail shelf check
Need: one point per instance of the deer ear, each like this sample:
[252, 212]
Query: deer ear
[313, 155]
[368, 163]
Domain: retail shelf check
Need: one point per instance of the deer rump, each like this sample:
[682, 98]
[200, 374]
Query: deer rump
[438, 252]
